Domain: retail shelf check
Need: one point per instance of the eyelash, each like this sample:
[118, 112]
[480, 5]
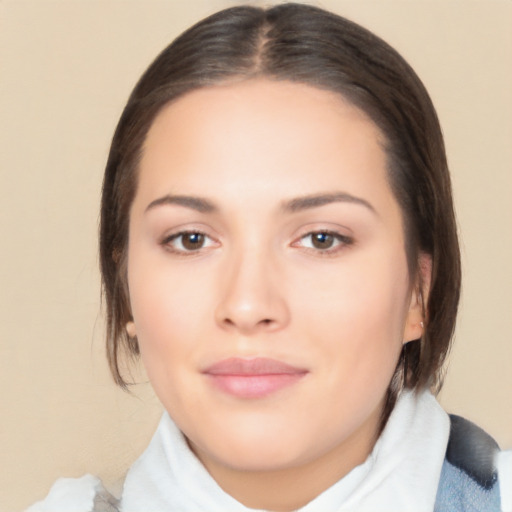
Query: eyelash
[341, 242]
[168, 240]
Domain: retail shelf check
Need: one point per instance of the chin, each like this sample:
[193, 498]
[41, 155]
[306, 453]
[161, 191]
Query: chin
[257, 459]
[257, 449]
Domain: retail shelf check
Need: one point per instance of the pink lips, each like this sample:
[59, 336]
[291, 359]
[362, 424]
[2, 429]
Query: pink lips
[252, 378]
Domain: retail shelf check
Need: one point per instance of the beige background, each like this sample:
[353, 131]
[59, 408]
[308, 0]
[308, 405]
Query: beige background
[66, 70]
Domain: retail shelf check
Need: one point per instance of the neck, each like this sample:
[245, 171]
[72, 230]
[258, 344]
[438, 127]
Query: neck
[290, 488]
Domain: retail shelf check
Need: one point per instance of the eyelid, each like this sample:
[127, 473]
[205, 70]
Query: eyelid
[176, 233]
[343, 241]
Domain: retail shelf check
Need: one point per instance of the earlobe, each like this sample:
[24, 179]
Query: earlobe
[417, 314]
[130, 329]
[414, 323]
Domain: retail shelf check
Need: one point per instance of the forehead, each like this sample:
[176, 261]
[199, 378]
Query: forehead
[276, 137]
[261, 104]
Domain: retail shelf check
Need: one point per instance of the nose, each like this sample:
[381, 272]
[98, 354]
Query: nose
[252, 298]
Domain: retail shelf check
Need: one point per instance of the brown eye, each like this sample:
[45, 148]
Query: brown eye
[192, 241]
[188, 242]
[322, 240]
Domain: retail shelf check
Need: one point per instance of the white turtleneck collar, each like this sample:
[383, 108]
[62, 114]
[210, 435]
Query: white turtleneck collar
[401, 474]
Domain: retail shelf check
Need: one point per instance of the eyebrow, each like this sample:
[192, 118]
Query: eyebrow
[203, 205]
[317, 200]
[194, 203]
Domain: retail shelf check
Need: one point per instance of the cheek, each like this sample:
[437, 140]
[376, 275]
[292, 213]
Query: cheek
[357, 316]
[169, 311]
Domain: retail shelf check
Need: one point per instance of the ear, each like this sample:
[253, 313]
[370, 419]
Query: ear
[416, 315]
[131, 330]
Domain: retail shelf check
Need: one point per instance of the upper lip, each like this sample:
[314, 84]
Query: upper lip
[254, 366]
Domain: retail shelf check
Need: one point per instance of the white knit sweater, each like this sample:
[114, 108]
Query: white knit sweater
[400, 475]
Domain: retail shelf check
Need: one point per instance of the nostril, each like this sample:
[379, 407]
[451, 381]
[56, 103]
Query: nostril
[264, 322]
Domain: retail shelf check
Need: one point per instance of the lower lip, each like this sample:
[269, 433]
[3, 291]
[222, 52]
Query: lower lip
[254, 386]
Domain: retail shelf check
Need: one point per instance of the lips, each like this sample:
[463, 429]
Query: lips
[253, 378]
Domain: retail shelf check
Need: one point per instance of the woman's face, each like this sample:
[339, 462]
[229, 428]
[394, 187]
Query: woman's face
[267, 273]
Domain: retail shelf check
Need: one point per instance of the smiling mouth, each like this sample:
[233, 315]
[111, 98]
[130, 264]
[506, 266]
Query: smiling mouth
[253, 378]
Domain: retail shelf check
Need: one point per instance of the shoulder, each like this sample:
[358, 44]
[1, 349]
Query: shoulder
[471, 477]
[85, 494]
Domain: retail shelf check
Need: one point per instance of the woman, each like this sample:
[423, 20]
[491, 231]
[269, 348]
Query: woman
[278, 244]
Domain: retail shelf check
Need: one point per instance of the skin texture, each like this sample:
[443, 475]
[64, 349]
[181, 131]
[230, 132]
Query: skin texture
[258, 286]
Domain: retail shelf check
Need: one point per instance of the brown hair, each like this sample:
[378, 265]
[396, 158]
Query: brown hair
[303, 44]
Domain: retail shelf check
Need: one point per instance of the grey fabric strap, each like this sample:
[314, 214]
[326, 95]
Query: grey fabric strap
[105, 502]
[469, 482]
